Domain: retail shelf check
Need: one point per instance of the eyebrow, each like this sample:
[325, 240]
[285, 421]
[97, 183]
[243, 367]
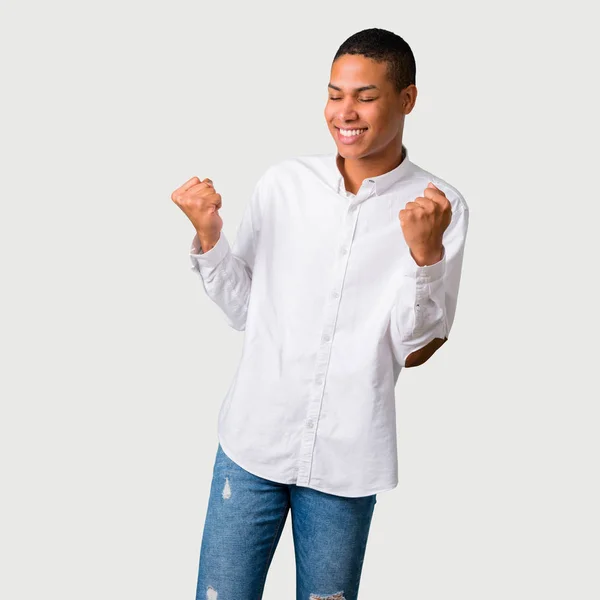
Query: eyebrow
[360, 89]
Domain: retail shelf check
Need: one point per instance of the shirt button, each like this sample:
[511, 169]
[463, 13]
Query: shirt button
[320, 380]
[309, 424]
[326, 338]
[335, 294]
[344, 250]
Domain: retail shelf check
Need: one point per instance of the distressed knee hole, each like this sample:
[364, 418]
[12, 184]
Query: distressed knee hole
[211, 593]
[226, 492]
[338, 596]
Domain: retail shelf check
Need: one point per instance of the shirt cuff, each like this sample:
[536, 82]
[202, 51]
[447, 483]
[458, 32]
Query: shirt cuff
[212, 257]
[424, 274]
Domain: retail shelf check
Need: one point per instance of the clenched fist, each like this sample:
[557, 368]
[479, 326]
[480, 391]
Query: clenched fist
[200, 203]
[423, 223]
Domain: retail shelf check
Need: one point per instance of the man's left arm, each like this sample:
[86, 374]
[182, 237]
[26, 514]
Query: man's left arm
[425, 306]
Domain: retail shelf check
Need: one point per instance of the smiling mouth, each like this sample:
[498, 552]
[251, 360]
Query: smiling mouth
[351, 137]
[352, 130]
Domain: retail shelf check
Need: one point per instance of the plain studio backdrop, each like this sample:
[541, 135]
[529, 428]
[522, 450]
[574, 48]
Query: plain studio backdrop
[115, 362]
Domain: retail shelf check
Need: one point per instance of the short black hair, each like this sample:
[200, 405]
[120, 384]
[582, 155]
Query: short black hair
[382, 45]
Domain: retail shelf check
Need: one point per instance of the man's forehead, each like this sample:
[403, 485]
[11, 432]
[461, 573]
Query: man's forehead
[359, 73]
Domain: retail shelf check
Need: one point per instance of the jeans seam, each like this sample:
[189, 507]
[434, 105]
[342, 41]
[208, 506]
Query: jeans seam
[364, 549]
[269, 557]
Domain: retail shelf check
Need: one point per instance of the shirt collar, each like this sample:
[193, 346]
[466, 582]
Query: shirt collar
[382, 182]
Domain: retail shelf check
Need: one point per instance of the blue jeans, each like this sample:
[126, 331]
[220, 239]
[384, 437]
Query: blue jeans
[244, 521]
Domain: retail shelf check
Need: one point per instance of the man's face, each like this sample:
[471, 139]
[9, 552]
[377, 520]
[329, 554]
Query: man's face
[378, 110]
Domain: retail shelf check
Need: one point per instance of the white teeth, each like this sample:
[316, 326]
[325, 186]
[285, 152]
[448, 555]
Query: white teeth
[350, 132]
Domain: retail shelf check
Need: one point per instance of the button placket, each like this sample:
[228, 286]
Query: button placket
[324, 353]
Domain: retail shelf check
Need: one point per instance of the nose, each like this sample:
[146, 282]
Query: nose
[346, 111]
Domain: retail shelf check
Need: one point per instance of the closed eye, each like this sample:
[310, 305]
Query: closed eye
[360, 100]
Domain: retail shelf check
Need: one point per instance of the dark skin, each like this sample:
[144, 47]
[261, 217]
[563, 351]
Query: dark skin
[418, 357]
[362, 96]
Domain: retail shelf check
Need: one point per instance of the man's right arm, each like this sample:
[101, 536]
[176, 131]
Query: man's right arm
[226, 272]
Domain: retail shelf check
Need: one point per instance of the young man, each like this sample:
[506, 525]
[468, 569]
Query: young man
[345, 269]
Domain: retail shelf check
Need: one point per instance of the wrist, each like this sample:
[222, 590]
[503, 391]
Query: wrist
[427, 257]
[207, 242]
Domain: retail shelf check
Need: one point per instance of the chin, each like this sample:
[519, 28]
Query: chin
[349, 152]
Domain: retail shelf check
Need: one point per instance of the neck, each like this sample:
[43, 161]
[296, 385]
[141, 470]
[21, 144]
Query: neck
[354, 171]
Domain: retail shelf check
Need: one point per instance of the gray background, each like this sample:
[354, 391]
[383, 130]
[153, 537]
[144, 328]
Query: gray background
[114, 362]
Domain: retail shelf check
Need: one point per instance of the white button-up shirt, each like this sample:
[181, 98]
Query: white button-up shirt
[332, 303]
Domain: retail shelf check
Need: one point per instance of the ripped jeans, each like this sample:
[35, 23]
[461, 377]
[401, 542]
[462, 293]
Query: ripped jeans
[244, 520]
